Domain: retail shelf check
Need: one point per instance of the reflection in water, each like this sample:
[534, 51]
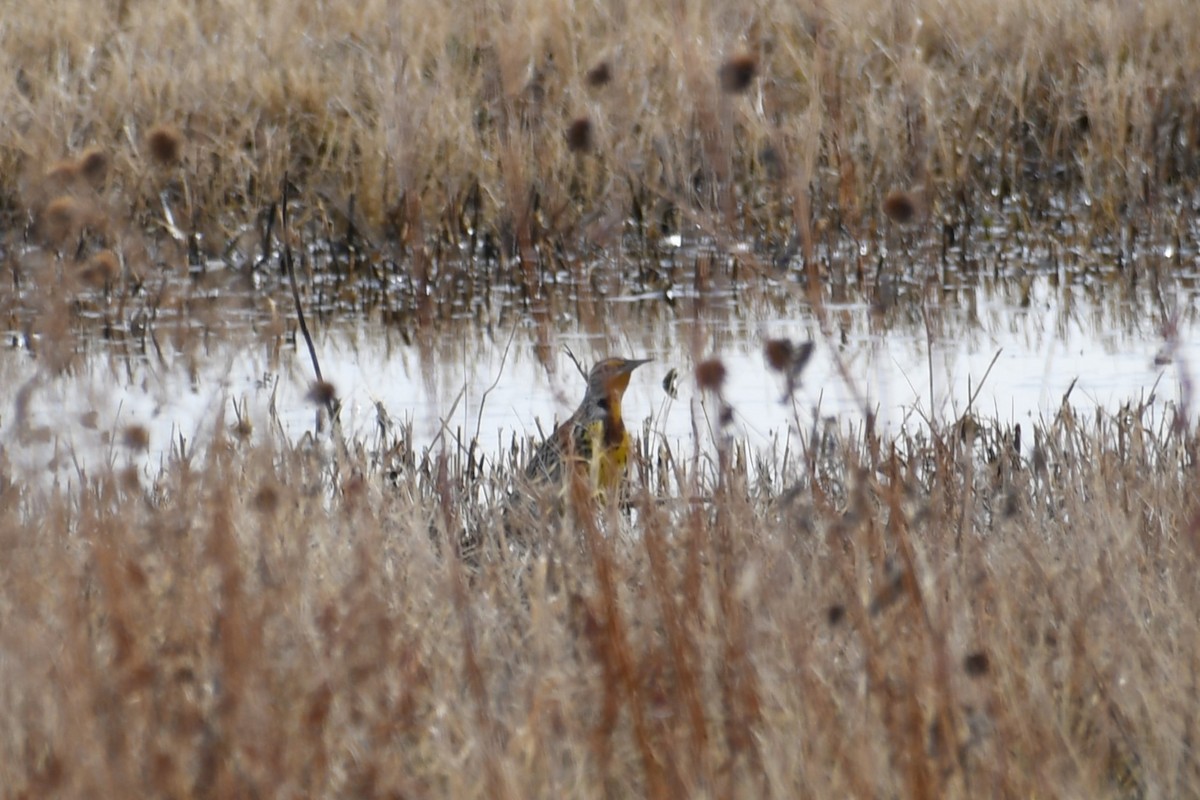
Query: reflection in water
[918, 360]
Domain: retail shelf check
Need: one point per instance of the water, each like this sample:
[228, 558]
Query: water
[1011, 349]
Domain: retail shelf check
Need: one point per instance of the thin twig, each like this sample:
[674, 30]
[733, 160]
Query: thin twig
[488, 390]
[444, 426]
[972, 395]
[575, 361]
[289, 265]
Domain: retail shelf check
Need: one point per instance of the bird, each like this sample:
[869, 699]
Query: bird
[593, 440]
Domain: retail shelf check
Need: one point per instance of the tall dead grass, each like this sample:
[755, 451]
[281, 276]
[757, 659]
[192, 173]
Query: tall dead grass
[424, 124]
[944, 614]
[951, 613]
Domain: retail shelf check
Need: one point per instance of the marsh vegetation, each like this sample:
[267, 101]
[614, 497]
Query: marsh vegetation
[958, 604]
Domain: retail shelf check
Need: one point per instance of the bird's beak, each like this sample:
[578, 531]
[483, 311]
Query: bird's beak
[631, 364]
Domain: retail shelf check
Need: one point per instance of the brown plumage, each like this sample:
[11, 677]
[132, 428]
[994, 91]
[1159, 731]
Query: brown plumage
[594, 436]
[593, 441]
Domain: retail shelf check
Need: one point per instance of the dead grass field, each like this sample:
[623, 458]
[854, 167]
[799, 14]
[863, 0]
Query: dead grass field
[927, 617]
[530, 128]
[947, 613]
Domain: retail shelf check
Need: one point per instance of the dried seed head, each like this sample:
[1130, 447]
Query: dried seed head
[710, 374]
[62, 218]
[93, 164]
[322, 393]
[725, 417]
[801, 354]
[579, 135]
[977, 664]
[136, 437]
[101, 269]
[737, 73]
[266, 499]
[165, 143]
[780, 353]
[789, 359]
[63, 210]
[599, 75]
[771, 159]
[243, 429]
[129, 479]
[900, 206]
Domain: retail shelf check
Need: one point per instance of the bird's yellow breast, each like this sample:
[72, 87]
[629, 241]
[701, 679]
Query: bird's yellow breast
[610, 453]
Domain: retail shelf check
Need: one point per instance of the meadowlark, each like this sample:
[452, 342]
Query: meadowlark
[593, 439]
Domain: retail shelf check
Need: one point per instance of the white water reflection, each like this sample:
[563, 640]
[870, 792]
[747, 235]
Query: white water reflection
[492, 387]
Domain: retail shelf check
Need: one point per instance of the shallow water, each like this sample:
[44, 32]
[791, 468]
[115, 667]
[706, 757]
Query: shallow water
[1016, 346]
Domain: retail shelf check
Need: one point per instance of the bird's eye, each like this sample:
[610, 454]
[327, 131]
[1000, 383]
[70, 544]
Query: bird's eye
[602, 403]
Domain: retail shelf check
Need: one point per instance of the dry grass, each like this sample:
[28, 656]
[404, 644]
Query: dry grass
[475, 158]
[945, 614]
[422, 125]
[927, 617]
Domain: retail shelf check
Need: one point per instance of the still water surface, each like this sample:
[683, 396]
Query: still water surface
[1044, 338]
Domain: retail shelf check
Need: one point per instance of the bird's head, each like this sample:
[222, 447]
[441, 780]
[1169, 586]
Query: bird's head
[610, 377]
